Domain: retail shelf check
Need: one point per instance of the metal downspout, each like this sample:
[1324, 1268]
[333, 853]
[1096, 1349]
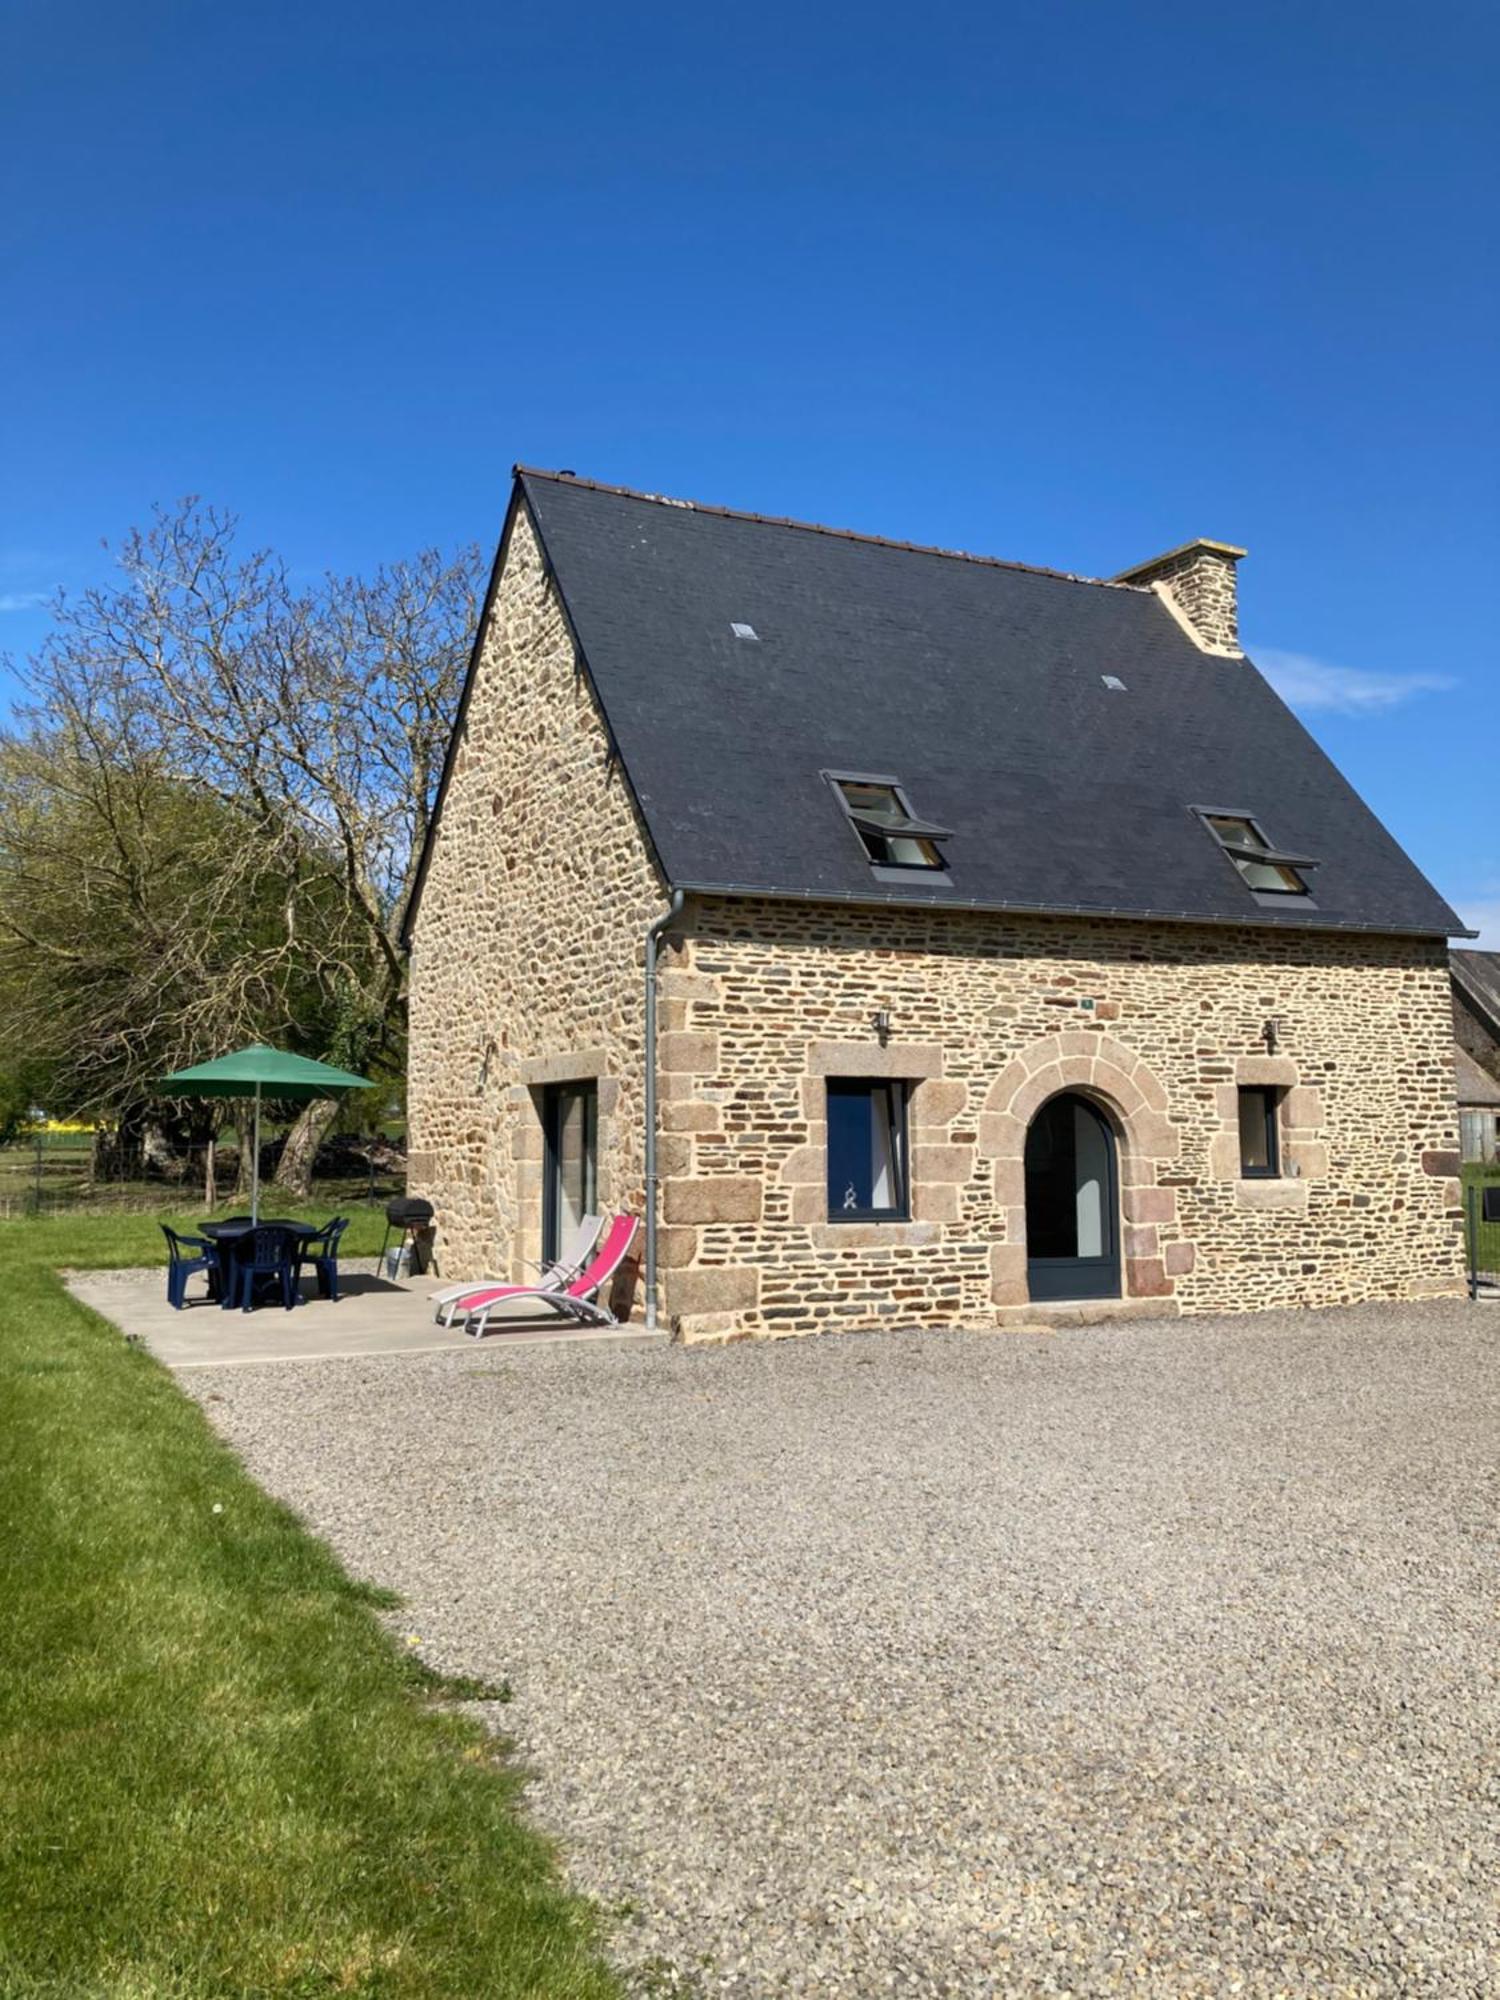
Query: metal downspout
[653, 935]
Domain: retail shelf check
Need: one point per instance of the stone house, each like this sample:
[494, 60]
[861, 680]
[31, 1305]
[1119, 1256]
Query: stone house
[1476, 1054]
[950, 942]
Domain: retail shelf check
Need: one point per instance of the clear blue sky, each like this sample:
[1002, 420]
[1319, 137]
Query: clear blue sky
[1063, 282]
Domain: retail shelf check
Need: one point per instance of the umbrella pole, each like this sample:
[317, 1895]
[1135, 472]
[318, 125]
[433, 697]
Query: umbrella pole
[255, 1165]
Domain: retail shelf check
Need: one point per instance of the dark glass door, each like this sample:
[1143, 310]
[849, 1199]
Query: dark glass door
[570, 1190]
[1072, 1238]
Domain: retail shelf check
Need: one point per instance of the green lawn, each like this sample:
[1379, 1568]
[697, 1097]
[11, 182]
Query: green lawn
[218, 1775]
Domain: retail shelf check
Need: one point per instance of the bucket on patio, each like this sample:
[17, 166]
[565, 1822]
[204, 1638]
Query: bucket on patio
[413, 1217]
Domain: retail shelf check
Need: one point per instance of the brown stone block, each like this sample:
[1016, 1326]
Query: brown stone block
[1150, 1204]
[1146, 1278]
[937, 1102]
[906, 1059]
[689, 987]
[676, 1248]
[1150, 1087]
[696, 1054]
[1271, 1194]
[1140, 1240]
[1441, 1165]
[1310, 1156]
[804, 1166]
[1002, 1091]
[1303, 1107]
[943, 1163]
[875, 1235]
[674, 1154]
[1155, 1137]
[714, 1198]
[1010, 1184]
[1265, 1069]
[1115, 1084]
[1179, 1259]
[1076, 1042]
[935, 1201]
[706, 1329]
[1001, 1137]
[1224, 1156]
[690, 1115]
[809, 1204]
[1008, 1274]
[576, 1065]
[1453, 1286]
[724, 1288]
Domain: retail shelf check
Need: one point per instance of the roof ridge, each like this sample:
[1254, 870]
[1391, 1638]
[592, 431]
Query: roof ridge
[817, 528]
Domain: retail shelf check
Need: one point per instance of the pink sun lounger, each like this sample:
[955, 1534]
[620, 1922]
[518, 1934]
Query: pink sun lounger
[555, 1277]
[576, 1301]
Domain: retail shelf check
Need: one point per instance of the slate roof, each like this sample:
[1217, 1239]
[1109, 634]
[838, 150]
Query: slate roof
[975, 682]
[1476, 1088]
[1477, 977]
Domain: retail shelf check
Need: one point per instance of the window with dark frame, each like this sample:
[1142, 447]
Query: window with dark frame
[570, 1185]
[1264, 868]
[867, 1175]
[889, 831]
[1260, 1139]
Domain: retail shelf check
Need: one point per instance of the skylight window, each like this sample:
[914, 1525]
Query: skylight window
[1265, 869]
[743, 631]
[889, 831]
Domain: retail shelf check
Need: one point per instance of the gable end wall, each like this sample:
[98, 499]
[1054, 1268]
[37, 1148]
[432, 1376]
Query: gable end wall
[526, 950]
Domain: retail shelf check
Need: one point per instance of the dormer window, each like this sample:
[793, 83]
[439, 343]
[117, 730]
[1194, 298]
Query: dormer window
[1265, 869]
[889, 831]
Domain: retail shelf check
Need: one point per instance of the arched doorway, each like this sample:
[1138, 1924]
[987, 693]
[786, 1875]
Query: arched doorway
[1072, 1232]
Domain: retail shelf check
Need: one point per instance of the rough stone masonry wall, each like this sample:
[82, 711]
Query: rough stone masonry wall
[527, 947]
[989, 1017]
[1202, 581]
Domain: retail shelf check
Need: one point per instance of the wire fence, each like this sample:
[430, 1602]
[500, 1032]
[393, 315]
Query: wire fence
[58, 1172]
[1482, 1229]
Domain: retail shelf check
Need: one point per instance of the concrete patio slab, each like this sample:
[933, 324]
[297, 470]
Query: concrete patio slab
[373, 1318]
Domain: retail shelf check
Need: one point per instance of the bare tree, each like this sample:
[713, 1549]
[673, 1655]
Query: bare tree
[309, 719]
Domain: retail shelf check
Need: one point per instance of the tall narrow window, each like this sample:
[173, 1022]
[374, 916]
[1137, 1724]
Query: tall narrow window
[890, 832]
[866, 1150]
[1260, 1150]
[570, 1190]
[1265, 869]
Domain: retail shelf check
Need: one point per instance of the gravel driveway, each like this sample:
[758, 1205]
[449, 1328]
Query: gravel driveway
[1157, 1660]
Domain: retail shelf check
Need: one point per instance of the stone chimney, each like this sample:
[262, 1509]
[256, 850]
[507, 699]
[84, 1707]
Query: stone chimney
[1197, 584]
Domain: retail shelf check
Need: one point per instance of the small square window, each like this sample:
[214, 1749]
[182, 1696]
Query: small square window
[1260, 1141]
[1264, 868]
[889, 831]
[866, 1150]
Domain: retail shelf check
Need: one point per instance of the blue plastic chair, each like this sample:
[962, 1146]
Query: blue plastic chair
[186, 1256]
[268, 1254]
[322, 1252]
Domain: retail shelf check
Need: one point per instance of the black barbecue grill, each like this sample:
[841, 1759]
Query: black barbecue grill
[406, 1213]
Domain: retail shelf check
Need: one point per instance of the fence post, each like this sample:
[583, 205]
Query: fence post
[1471, 1216]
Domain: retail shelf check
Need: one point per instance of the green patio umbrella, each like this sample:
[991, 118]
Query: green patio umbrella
[255, 1071]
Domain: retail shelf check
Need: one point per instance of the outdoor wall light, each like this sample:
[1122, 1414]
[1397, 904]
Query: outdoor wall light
[883, 1026]
[484, 1066]
[1270, 1034]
